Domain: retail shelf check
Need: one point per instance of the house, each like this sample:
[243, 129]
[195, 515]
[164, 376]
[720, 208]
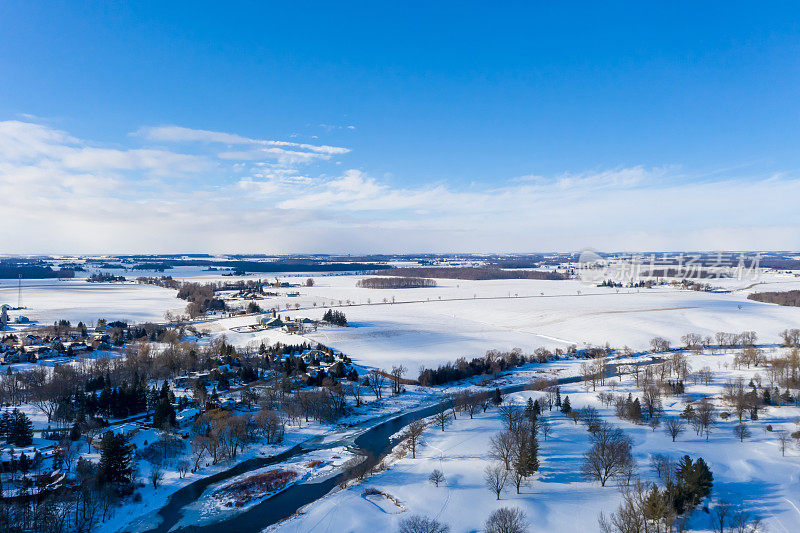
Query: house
[186, 417]
[291, 327]
[18, 357]
[273, 322]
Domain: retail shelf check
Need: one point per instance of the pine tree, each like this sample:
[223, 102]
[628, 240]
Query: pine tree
[636, 410]
[558, 397]
[24, 463]
[497, 398]
[566, 408]
[530, 410]
[20, 432]
[116, 457]
[693, 483]
[164, 392]
[164, 414]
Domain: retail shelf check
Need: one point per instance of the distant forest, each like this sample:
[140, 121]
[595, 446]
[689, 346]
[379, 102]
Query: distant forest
[13, 269]
[469, 273]
[395, 283]
[789, 298]
[288, 265]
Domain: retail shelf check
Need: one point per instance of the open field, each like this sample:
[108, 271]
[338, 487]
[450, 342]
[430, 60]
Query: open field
[475, 316]
[76, 300]
[752, 473]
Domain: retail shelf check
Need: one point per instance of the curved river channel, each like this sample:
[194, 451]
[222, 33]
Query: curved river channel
[375, 443]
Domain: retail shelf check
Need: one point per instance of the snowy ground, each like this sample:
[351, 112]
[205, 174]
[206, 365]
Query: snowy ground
[210, 508]
[427, 327]
[48, 300]
[475, 316]
[752, 473]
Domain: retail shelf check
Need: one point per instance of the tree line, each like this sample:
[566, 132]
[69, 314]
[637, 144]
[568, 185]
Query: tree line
[395, 283]
[472, 273]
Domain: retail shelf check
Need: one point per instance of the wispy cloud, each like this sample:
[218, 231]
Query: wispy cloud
[176, 134]
[181, 189]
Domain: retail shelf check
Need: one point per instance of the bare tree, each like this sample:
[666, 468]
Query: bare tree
[396, 378]
[659, 344]
[67, 452]
[651, 400]
[471, 403]
[608, 455]
[741, 431]
[412, 436]
[674, 427]
[183, 468]
[544, 427]
[375, 381]
[590, 417]
[720, 514]
[422, 524]
[156, 473]
[442, 417]
[783, 440]
[495, 477]
[704, 416]
[501, 448]
[512, 416]
[436, 477]
[644, 508]
[506, 520]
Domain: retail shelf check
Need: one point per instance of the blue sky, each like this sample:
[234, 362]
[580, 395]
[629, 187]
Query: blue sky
[399, 127]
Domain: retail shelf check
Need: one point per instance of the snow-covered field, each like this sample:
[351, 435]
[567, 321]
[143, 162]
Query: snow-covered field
[427, 327]
[752, 473]
[474, 316]
[48, 300]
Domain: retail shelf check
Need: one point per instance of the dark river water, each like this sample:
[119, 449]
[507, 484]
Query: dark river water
[375, 443]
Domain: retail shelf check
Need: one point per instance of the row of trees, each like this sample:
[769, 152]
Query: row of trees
[201, 299]
[650, 507]
[472, 273]
[337, 318]
[789, 298]
[16, 428]
[395, 283]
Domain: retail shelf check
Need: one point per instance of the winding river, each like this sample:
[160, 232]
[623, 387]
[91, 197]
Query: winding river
[375, 443]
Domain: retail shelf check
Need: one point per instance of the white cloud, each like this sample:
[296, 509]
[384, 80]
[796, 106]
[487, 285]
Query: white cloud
[179, 134]
[235, 193]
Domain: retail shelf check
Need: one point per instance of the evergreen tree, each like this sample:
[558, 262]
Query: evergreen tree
[558, 396]
[164, 392]
[530, 410]
[24, 463]
[497, 397]
[636, 411]
[20, 432]
[693, 482]
[526, 460]
[566, 408]
[164, 414]
[116, 459]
